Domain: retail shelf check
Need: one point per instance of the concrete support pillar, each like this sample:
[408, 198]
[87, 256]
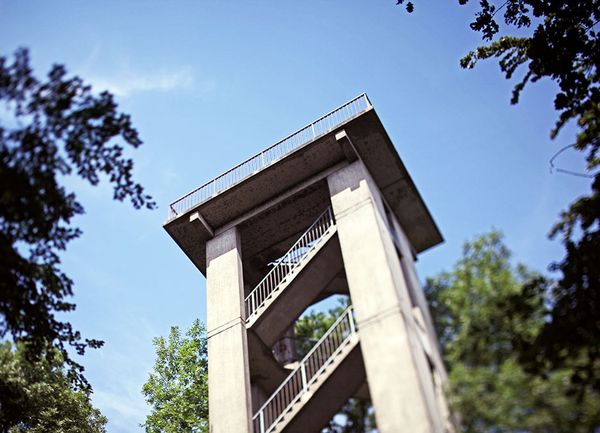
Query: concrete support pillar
[391, 350]
[229, 397]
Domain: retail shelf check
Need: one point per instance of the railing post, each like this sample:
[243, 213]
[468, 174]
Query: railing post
[312, 127]
[303, 375]
[351, 320]
[262, 421]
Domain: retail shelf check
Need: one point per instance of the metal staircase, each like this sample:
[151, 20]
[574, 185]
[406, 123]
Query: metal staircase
[288, 266]
[304, 382]
[328, 363]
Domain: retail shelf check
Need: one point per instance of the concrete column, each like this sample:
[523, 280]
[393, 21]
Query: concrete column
[229, 397]
[393, 358]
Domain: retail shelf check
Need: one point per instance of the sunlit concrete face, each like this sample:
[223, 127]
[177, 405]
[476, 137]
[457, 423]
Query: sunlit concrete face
[396, 368]
[229, 400]
[339, 215]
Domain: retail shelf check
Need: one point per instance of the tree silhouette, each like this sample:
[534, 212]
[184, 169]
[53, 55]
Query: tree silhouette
[560, 41]
[59, 128]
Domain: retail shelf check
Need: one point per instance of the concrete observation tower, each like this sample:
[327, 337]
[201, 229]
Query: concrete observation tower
[330, 209]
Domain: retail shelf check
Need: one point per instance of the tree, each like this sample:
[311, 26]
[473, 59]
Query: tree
[560, 41]
[484, 311]
[177, 388]
[36, 396]
[59, 128]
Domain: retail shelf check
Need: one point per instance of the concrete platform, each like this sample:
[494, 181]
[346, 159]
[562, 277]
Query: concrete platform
[276, 204]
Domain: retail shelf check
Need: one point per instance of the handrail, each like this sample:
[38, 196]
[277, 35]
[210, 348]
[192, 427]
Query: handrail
[307, 372]
[289, 261]
[277, 151]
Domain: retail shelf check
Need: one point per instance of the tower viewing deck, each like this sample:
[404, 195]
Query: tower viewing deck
[293, 172]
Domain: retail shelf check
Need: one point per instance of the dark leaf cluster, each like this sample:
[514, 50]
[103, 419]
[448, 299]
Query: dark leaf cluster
[410, 7]
[59, 127]
[560, 41]
[572, 335]
[36, 395]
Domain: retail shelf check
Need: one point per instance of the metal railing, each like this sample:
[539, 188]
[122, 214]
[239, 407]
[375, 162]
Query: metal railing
[319, 127]
[289, 261]
[309, 370]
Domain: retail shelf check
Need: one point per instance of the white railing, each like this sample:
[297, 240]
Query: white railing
[288, 262]
[309, 370]
[314, 130]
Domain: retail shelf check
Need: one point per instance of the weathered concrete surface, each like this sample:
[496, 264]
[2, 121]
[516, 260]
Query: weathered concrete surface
[337, 286]
[390, 347]
[229, 398]
[412, 281]
[374, 148]
[268, 235]
[363, 391]
[433, 369]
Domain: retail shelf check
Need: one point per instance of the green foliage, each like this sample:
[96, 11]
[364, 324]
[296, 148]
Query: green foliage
[356, 416]
[311, 327]
[59, 128]
[36, 396]
[486, 312]
[177, 389]
[563, 45]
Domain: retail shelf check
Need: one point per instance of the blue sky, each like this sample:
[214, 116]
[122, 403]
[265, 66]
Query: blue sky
[211, 83]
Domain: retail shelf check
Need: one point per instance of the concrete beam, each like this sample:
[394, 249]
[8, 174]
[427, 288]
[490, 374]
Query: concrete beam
[281, 197]
[196, 218]
[346, 145]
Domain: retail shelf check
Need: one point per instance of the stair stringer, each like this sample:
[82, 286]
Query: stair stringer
[327, 394]
[299, 290]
